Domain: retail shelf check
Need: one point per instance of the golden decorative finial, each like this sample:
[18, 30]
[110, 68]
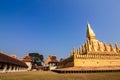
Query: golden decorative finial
[105, 47]
[117, 47]
[111, 47]
[90, 33]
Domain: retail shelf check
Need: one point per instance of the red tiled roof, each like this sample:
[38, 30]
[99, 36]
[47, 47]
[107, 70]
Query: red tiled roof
[14, 56]
[27, 59]
[9, 60]
[53, 59]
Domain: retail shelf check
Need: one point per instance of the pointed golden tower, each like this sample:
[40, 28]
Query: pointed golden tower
[105, 47]
[90, 33]
[111, 47]
[117, 47]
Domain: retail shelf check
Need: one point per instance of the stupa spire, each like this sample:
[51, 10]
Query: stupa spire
[90, 33]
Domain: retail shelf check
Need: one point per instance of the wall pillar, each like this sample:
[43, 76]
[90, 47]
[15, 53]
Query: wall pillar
[10, 68]
[5, 68]
[17, 69]
[14, 68]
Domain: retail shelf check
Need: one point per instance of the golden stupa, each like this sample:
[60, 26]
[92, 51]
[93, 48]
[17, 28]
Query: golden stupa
[92, 55]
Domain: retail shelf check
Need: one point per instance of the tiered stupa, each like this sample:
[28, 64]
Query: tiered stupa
[92, 45]
[93, 54]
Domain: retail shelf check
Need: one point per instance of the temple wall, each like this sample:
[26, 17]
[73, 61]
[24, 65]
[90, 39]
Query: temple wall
[5, 67]
[69, 62]
[29, 64]
[96, 62]
[94, 53]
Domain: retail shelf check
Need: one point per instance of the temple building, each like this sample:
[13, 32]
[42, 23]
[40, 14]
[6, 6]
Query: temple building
[93, 54]
[26, 59]
[51, 62]
[11, 64]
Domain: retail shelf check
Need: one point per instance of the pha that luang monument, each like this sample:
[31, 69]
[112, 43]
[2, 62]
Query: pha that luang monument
[92, 55]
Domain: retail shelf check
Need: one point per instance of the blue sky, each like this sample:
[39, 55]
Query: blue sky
[55, 27]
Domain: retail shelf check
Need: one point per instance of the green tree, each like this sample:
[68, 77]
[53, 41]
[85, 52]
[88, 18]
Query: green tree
[61, 59]
[37, 58]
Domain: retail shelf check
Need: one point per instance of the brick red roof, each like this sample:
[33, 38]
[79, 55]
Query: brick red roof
[53, 59]
[14, 56]
[27, 59]
[9, 60]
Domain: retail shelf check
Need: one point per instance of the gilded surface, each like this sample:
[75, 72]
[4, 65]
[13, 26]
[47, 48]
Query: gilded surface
[93, 53]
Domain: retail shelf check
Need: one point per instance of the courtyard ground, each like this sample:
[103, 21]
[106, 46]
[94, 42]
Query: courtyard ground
[47, 75]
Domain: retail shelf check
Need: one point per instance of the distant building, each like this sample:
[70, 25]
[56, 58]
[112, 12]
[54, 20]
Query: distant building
[14, 56]
[28, 62]
[11, 64]
[52, 62]
[93, 54]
